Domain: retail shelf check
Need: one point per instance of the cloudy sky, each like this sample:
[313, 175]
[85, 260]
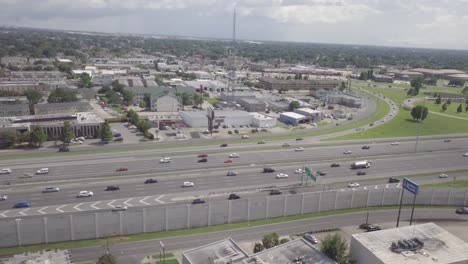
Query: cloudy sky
[415, 23]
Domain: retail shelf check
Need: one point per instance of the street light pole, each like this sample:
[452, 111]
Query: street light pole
[419, 126]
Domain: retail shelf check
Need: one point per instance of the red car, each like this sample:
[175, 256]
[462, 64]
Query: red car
[203, 156]
[122, 169]
[228, 161]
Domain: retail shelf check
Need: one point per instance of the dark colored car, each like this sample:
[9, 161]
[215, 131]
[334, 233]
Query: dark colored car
[22, 205]
[365, 147]
[393, 180]
[321, 173]
[64, 149]
[223, 145]
[462, 210]
[447, 140]
[311, 238]
[203, 160]
[371, 228]
[112, 188]
[268, 170]
[371, 124]
[198, 201]
[333, 165]
[361, 173]
[148, 181]
[275, 192]
[233, 196]
[299, 139]
[122, 169]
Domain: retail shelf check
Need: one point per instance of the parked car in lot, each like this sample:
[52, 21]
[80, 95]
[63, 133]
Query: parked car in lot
[231, 173]
[228, 161]
[121, 169]
[82, 194]
[462, 210]
[365, 147]
[281, 176]
[393, 180]
[233, 196]
[112, 188]
[234, 155]
[353, 184]
[203, 160]
[299, 149]
[372, 228]
[268, 170]
[50, 189]
[22, 205]
[311, 238]
[43, 171]
[3, 197]
[188, 184]
[119, 208]
[275, 192]
[165, 160]
[149, 181]
[5, 171]
[334, 165]
[199, 201]
[203, 156]
[361, 173]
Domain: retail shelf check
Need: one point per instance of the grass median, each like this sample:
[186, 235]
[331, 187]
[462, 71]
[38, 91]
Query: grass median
[452, 184]
[193, 231]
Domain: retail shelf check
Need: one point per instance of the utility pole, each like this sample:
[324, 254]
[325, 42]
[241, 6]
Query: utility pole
[419, 126]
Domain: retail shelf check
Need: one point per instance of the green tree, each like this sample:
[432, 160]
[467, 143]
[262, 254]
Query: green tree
[343, 86]
[466, 108]
[107, 259]
[284, 240]
[117, 87]
[444, 107]
[412, 92]
[455, 83]
[186, 98]
[25, 137]
[85, 80]
[67, 133]
[128, 96]
[144, 125]
[38, 136]
[294, 105]
[197, 99]
[106, 132]
[133, 117]
[336, 248]
[104, 89]
[460, 108]
[270, 240]
[33, 96]
[142, 104]
[438, 100]
[419, 112]
[11, 137]
[417, 83]
[60, 95]
[449, 101]
[258, 247]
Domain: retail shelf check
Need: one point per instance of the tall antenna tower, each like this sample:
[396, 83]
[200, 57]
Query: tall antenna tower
[231, 58]
[234, 27]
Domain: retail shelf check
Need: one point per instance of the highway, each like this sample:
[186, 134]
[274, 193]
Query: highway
[151, 247]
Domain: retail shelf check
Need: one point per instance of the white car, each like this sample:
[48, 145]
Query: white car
[42, 171]
[465, 155]
[281, 175]
[50, 189]
[3, 197]
[119, 208]
[234, 155]
[188, 184]
[395, 143]
[85, 194]
[443, 175]
[245, 137]
[298, 149]
[165, 160]
[5, 171]
[348, 152]
[353, 184]
[299, 171]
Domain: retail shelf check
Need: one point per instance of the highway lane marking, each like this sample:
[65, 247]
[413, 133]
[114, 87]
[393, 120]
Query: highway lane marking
[127, 202]
[60, 208]
[94, 205]
[399, 185]
[111, 202]
[365, 187]
[4, 213]
[158, 199]
[22, 212]
[76, 207]
[143, 200]
[41, 210]
[376, 187]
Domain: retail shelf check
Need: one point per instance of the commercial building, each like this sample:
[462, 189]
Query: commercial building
[262, 121]
[344, 99]
[383, 78]
[311, 114]
[442, 73]
[21, 86]
[252, 104]
[458, 77]
[314, 84]
[36, 76]
[222, 117]
[407, 75]
[417, 244]
[162, 99]
[14, 110]
[11, 100]
[62, 108]
[228, 251]
[292, 118]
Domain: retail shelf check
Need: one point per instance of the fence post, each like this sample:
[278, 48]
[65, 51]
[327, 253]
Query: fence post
[188, 215]
[336, 200]
[229, 211]
[432, 196]
[143, 215]
[166, 215]
[383, 197]
[72, 228]
[285, 204]
[367, 200]
[450, 195]
[120, 223]
[209, 214]
[18, 232]
[46, 235]
[320, 202]
[266, 207]
[96, 224]
[302, 204]
[352, 199]
[466, 196]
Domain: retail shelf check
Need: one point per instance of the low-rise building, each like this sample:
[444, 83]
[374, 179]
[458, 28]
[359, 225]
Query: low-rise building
[162, 99]
[262, 121]
[20, 87]
[382, 78]
[292, 118]
[344, 99]
[311, 114]
[62, 108]
[252, 104]
[313, 84]
[14, 110]
[222, 117]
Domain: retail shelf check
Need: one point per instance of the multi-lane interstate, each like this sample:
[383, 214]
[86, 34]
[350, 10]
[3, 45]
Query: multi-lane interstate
[94, 172]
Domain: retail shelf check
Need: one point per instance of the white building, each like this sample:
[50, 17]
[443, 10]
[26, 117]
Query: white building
[260, 120]
[389, 246]
[167, 103]
[292, 118]
[223, 117]
[310, 113]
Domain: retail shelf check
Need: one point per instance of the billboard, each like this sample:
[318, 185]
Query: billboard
[410, 186]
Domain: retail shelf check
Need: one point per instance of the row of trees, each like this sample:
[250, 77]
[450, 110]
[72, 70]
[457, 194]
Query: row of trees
[112, 93]
[34, 138]
[142, 124]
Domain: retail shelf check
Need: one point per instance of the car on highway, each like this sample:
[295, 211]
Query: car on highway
[234, 155]
[359, 173]
[22, 205]
[299, 139]
[371, 124]
[447, 140]
[232, 173]
[299, 171]
[275, 192]
[3, 197]
[43, 171]
[394, 143]
[465, 154]
[233, 196]
[112, 188]
[261, 142]
[199, 201]
[268, 170]
[64, 149]
[462, 210]
[118, 208]
[298, 149]
[311, 238]
[203, 156]
[334, 165]
[27, 175]
[203, 160]
[228, 161]
[50, 189]
[443, 175]
[245, 137]
[5, 171]
[122, 169]
[285, 145]
[165, 160]
[149, 181]
[365, 147]
[281, 175]
[353, 184]
[82, 194]
[347, 152]
[393, 180]
[321, 173]
[372, 228]
[188, 184]
[223, 145]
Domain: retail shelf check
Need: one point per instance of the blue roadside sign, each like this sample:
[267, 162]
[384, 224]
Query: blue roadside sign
[410, 186]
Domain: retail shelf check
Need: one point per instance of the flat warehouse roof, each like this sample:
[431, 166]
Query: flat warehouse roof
[293, 115]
